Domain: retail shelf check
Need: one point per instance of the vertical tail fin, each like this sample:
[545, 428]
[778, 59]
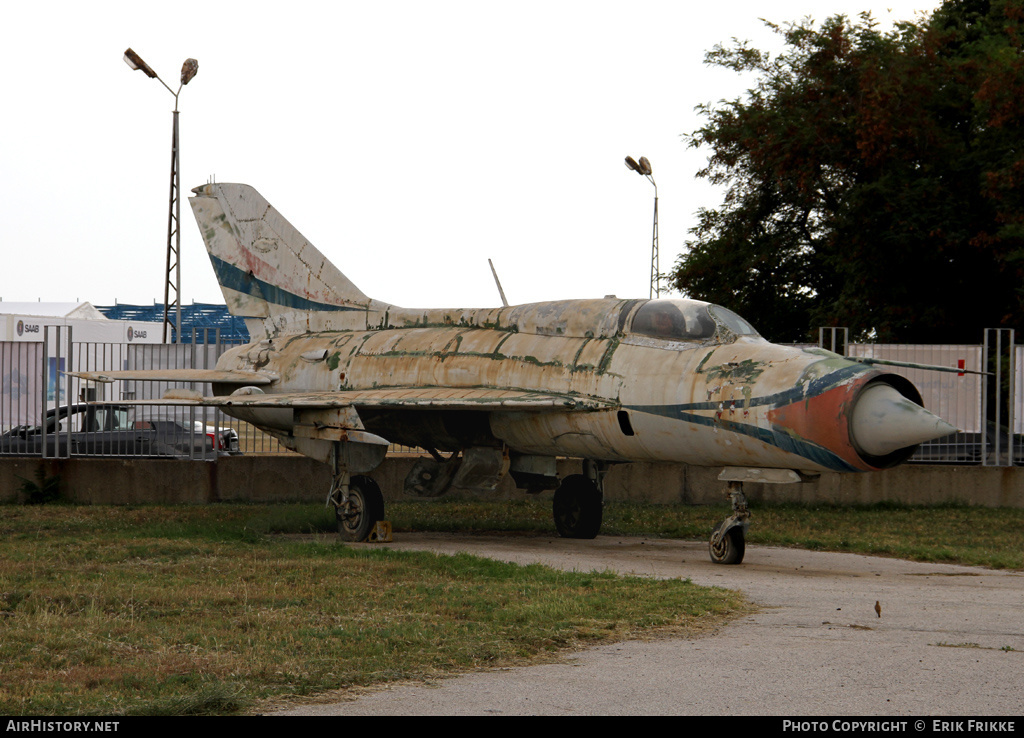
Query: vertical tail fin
[267, 270]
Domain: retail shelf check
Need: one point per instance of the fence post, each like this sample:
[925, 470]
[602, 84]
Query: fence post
[829, 338]
[57, 384]
[44, 387]
[998, 402]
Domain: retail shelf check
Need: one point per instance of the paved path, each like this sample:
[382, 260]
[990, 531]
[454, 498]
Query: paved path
[941, 646]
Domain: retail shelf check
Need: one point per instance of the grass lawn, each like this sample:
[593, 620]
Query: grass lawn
[208, 610]
[203, 610]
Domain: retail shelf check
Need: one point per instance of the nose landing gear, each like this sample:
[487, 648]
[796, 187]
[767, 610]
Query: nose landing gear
[728, 542]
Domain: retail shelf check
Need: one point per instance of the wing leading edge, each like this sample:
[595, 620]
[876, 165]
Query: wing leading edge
[475, 398]
[423, 398]
[216, 376]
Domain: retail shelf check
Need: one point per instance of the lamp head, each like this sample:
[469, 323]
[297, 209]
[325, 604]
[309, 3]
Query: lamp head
[188, 70]
[134, 61]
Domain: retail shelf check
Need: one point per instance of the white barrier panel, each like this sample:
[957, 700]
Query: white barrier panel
[956, 398]
[20, 373]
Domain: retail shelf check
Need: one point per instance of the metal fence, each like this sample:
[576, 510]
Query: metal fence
[44, 411]
[982, 401]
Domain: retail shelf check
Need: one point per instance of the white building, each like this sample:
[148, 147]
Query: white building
[25, 321]
[39, 341]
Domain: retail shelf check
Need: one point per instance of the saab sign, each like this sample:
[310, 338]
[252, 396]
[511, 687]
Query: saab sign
[33, 328]
[24, 328]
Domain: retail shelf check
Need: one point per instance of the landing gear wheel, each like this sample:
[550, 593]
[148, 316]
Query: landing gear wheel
[578, 508]
[730, 548]
[358, 515]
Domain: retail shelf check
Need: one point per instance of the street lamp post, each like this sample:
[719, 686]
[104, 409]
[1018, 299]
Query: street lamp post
[643, 167]
[188, 71]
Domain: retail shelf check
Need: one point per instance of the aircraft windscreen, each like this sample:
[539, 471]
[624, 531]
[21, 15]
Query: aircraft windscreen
[732, 321]
[674, 320]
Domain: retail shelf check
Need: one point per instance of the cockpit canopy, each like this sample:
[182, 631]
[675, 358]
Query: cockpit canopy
[687, 320]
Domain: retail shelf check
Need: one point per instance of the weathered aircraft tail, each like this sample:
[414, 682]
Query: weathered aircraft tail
[269, 273]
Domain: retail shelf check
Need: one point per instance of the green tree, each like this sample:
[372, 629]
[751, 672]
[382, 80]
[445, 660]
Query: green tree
[873, 180]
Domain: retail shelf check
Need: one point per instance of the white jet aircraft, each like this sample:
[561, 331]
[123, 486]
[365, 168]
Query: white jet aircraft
[337, 376]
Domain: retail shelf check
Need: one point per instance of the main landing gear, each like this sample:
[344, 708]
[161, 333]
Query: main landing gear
[357, 507]
[578, 506]
[357, 503]
[728, 542]
[337, 438]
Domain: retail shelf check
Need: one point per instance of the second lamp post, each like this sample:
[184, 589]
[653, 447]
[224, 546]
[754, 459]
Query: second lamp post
[643, 167]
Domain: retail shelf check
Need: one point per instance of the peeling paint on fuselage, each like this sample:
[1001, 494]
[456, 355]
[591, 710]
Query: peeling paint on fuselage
[743, 400]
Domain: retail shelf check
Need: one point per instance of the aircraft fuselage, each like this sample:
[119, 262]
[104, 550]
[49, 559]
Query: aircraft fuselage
[731, 400]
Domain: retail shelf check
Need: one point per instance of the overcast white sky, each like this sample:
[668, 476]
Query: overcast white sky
[409, 141]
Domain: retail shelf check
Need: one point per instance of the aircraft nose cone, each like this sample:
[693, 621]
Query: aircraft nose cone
[885, 421]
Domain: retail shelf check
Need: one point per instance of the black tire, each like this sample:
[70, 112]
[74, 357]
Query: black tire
[365, 507]
[731, 548]
[578, 508]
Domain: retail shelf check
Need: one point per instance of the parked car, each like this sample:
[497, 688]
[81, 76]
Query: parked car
[106, 430]
[224, 440]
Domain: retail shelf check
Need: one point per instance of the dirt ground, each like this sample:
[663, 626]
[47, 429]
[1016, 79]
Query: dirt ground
[949, 641]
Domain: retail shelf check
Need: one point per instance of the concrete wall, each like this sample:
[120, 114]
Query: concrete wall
[295, 478]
